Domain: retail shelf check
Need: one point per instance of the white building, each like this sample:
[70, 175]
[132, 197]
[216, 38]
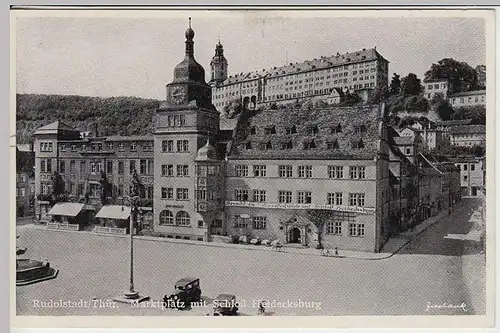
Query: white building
[468, 98]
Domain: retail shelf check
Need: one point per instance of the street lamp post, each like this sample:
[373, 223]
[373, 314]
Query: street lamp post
[132, 295]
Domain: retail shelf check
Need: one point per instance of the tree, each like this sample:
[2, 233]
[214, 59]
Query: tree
[395, 87]
[105, 188]
[138, 189]
[477, 113]
[350, 99]
[444, 110]
[58, 190]
[233, 109]
[410, 85]
[319, 217]
[378, 95]
[460, 75]
[416, 103]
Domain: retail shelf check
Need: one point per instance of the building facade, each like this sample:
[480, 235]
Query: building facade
[434, 87]
[82, 161]
[188, 194]
[468, 98]
[349, 72]
[25, 180]
[468, 136]
[472, 175]
[299, 174]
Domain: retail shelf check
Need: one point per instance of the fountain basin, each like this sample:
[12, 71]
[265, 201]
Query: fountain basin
[30, 271]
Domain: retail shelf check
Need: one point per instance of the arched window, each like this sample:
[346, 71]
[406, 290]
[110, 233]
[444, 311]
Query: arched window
[166, 217]
[182, 218]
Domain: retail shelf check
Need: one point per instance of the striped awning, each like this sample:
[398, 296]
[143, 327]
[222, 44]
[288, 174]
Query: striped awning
[117, 212]
[66, 209]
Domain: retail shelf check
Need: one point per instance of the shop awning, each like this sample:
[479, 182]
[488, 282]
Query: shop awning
[117, 212]
[66, 209]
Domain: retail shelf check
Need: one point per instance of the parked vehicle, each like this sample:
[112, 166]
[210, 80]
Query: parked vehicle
[186, 291]
[225, 305]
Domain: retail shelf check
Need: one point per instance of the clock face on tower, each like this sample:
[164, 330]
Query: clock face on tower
[177, 95]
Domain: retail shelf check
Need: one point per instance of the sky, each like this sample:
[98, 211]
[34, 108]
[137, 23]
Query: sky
[135, 56]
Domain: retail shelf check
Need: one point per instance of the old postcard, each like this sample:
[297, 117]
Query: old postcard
[270, 168]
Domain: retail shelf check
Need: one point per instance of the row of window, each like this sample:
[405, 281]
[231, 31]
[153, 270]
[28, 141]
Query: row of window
[46, 146]
[464, 167]
[145, 167]
[306, 145]
[182, 218]
[110, 146]
[469, 100]
[303, 171]
[333, 226]
[167, 170]
[94, 190]
[302, 197]
[307, 130]
[436, 86]
[167, 146]
[20, 191]
[182, 194]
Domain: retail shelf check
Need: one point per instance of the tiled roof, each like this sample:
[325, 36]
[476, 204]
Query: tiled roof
[435, 80]
[226, 124]
[469, 129]
[128, 138]
[308, 65]
[454, 122]
[469, 93]
[315, 134]
[403, 140]
[54, 127]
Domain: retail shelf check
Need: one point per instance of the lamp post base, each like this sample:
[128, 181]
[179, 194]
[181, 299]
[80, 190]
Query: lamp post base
[131, 297]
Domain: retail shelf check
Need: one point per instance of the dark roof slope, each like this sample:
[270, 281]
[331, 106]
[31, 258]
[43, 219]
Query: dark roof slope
[454, 122]
[469, 93]
[309, 133]
[469, 129]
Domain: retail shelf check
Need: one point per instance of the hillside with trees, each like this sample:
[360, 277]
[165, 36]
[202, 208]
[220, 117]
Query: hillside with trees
[114, 115]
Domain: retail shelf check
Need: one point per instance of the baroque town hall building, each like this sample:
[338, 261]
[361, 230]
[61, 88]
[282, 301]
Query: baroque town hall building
[260, 179]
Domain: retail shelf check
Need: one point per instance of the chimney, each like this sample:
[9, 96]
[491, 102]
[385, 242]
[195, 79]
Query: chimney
[95, 131]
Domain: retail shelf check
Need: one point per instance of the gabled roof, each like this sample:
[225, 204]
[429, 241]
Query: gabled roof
[469, 93]
[303, 118]
[469, 129]
[454, 122]
[55, 127]
[403, 140]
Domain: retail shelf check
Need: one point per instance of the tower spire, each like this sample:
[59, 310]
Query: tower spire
[189, 41]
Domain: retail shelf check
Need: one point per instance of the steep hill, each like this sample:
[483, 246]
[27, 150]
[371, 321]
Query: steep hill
[114, 115]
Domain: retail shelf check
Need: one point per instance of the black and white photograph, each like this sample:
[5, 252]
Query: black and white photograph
[250, 163]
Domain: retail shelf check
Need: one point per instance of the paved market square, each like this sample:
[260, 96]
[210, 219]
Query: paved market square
[425, 278]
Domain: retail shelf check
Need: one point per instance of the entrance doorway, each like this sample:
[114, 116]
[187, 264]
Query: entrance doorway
[295, 235]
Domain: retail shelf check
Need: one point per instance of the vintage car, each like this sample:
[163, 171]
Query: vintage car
[186, 291]
[225, 305]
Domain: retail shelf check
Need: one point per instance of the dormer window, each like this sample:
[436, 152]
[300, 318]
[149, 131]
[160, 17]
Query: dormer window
[360, 129]
[266, 145]
[311, 130]
[309, 144]
[253, 130]
[270, 130]
[247, 145]
[336, 129]
[332, 144]
[358, 144]
[291, 130]
[287, 145]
